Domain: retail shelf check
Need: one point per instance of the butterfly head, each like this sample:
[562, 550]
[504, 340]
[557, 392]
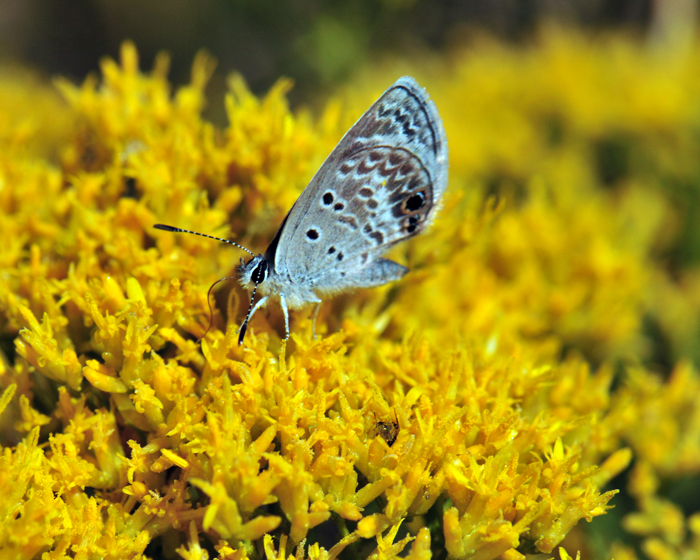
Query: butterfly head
[254, 272]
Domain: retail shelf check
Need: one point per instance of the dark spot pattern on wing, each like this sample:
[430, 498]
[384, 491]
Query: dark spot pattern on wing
[395, 158]
[365, 168]
[377, 236]
[411, 224]
[377, 188]
[391, 202]
[349, 220]
[401, 112]
[383, 111]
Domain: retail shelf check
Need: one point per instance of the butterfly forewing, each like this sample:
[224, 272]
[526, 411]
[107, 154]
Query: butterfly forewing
[379, 186]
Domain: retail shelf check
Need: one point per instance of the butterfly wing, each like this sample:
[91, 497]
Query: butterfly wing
[380, 185]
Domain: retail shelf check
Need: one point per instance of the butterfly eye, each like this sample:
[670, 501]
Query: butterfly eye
[260, 272]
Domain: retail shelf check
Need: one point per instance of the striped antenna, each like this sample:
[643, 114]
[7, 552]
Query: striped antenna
[180, 230]
[211, 313]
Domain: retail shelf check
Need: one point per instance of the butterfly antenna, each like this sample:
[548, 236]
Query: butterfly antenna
[244, 326]
[180, 230]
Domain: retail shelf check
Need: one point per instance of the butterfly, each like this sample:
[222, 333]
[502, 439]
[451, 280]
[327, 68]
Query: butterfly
[381, 184]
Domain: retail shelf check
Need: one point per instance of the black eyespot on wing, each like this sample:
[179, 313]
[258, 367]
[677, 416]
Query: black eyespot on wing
[328, 199]
[331, 250]
[408, 204]
[371, 203]
[412, 224]
[367, 228]
[415, 202]
[340, 256]
[338, 206]
[312, 234]
[366, 192]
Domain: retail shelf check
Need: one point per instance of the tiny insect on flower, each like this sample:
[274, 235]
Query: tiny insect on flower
[388, 431]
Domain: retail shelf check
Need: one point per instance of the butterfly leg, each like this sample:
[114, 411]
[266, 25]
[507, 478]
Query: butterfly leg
[314, 315]
[283, 304]
[262, 301]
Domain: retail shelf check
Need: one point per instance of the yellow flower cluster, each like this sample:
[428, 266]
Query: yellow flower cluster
[493, 362]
